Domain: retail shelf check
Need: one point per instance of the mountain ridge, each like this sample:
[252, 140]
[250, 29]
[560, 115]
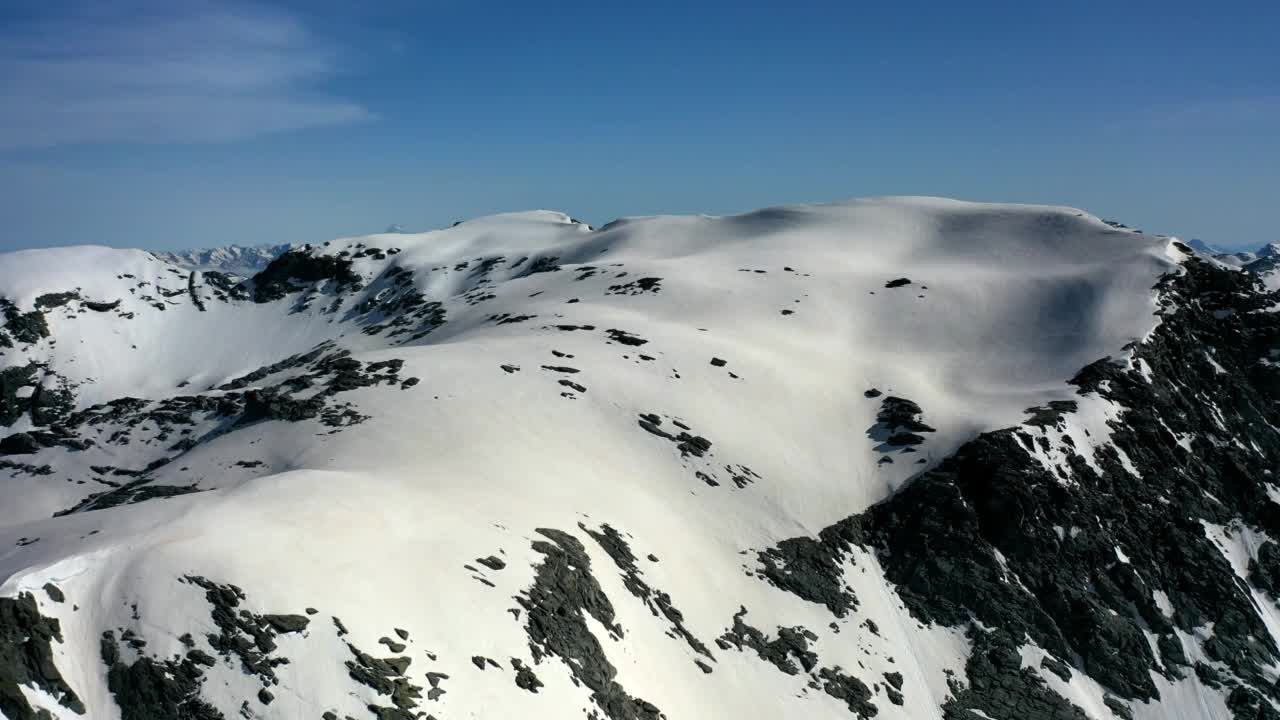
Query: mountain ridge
[503, 462]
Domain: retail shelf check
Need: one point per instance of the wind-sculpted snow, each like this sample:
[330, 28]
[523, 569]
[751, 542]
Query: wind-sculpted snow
[852, 460]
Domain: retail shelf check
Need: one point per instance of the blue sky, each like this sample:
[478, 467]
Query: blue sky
[189, 124]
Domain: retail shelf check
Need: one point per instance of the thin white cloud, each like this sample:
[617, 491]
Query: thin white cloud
[1229, 113]
[1215, 115]
[185, 72]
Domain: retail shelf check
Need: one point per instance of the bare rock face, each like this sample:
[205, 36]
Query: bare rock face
[27, 654]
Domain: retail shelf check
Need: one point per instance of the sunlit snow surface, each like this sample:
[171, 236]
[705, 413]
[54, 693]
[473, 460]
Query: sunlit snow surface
[374, 523]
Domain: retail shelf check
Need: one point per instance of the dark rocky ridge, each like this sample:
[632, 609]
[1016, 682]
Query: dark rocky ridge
[155, 689]
[26, 658]
[195, 419]
[386, 676]
[297, 268]
[656, 600]
[695, 450]
[50, 397]
[26, 328]
[564, 592]
[149, 687]
[1001, 688]
[792, 653]
[247, 636]
[982, 535]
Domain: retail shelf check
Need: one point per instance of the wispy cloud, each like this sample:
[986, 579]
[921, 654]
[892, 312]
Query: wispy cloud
[1234, 114]
[180, 72]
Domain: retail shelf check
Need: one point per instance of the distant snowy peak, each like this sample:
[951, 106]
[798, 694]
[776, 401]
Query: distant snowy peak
[1269, 252]
[1203, 247]
[1267, 266]
[1265, 259]
[231, 259]
[1263, 262]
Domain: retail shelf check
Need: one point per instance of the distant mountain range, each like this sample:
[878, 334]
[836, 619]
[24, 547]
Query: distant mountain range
[1265, 261]
[1238, 258]
[236, 260]
[230, 259]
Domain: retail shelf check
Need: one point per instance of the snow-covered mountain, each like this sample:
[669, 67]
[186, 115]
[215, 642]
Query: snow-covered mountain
[231, 259]
[1263, 262]
[1201, 246]
[1238, 259]
[892, 458]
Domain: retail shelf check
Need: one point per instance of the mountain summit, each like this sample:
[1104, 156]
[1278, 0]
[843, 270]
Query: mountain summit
[891, 458]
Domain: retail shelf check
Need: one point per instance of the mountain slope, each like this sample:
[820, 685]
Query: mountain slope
[521, 467]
